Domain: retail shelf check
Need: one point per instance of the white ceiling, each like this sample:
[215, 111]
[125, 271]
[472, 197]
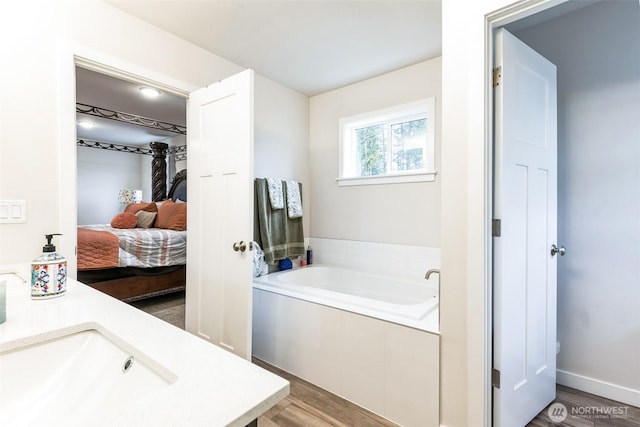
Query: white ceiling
[312, 46]
[309, 46]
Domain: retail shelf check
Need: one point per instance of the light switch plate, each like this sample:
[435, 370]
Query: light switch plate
[13, 211]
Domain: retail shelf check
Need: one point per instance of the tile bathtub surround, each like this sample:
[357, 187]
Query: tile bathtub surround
[389, 369]
[403, 261]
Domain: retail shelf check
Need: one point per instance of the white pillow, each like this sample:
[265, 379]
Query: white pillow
[145, 219]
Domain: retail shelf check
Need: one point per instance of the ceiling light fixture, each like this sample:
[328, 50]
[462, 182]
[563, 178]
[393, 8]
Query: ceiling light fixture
[150, 92]
[86, 124]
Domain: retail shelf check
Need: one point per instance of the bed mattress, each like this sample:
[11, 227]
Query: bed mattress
[145, 247]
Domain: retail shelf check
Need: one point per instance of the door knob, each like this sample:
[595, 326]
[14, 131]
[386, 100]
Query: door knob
[240, 246]
[558, 250]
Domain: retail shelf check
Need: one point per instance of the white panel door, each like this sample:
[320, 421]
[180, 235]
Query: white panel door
[525, 199]
[220, 187]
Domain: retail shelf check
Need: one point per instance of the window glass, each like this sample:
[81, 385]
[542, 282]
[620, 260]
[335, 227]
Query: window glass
[391, 145]
[372, 150]
[408, 143]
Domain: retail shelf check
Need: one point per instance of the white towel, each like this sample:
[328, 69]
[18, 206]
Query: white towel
[294, 202]
[275, 193]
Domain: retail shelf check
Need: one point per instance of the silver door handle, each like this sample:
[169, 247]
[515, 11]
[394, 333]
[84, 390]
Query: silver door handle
[558, 250]
[240, 246]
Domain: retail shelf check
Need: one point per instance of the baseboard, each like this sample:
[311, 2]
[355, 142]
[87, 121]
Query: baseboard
[599, 388]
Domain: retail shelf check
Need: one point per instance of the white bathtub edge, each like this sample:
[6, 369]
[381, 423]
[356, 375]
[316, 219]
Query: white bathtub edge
[429, 323]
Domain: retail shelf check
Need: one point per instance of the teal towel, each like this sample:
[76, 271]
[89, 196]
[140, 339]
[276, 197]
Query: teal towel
[279, 236]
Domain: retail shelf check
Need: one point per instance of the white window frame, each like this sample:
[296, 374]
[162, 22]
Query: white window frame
[406, 112]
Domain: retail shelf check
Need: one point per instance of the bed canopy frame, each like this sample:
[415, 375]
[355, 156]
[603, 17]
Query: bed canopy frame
[159, 150]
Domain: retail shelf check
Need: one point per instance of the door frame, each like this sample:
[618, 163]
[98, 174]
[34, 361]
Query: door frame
[69, 56]
[493, 21]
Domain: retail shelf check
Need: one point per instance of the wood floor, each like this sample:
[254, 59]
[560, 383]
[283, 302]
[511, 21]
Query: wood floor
[588, 410]
[310, 406]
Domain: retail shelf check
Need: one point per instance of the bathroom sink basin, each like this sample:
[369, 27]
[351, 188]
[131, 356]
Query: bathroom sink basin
[79, 376]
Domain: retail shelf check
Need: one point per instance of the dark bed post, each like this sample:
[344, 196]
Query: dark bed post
[159, 171]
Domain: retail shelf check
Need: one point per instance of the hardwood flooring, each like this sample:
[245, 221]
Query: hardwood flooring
[169, 308]
[587, 410]
[310, 406]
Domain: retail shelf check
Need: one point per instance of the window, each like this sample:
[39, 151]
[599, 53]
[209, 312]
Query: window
[389, 146]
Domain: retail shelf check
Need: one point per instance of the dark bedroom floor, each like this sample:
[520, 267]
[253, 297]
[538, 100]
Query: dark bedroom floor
[169, 308]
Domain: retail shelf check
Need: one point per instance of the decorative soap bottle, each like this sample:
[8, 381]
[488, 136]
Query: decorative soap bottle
[48, 272]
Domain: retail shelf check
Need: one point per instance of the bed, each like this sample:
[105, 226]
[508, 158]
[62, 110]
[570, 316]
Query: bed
[133, 263]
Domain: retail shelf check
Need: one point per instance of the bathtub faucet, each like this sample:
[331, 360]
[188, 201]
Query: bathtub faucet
[426, 276]
[430, 272]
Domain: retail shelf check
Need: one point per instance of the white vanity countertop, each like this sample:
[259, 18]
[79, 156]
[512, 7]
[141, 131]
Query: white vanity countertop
[213, 386]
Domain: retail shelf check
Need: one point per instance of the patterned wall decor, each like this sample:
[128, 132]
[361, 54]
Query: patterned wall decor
[129, 118]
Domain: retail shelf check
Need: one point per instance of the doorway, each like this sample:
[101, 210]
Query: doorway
[596, 324]
[210, 137]
[71, 57]
[131, 140]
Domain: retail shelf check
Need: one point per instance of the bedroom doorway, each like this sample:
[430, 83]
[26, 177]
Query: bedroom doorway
[227, 237]
[131, 141]
[70, 57]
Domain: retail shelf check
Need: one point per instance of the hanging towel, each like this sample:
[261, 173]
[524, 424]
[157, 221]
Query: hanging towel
[279, 236]
[275, 193]
[294, 202]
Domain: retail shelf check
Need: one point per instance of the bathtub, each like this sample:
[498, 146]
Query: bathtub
[371, 339]
[407, 303]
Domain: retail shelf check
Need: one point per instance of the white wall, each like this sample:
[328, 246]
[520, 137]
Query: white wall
[34, 36]
[598, 194]
[101, 174]
[146, 184]
[403, 262]
[407, 213]
[465, 389]
[281, 126]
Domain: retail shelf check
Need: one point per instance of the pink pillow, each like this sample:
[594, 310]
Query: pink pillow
[172, 216]
[124, 220]
[144, 206]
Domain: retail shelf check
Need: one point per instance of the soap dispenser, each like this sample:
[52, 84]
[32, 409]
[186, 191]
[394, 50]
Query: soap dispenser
[48, 272]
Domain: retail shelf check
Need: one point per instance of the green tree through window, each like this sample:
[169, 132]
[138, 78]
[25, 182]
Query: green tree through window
[407, 140]
[388, 146]
[372, 150]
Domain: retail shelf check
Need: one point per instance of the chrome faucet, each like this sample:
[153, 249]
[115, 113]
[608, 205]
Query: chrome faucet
[430, 272]
[426, 276]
